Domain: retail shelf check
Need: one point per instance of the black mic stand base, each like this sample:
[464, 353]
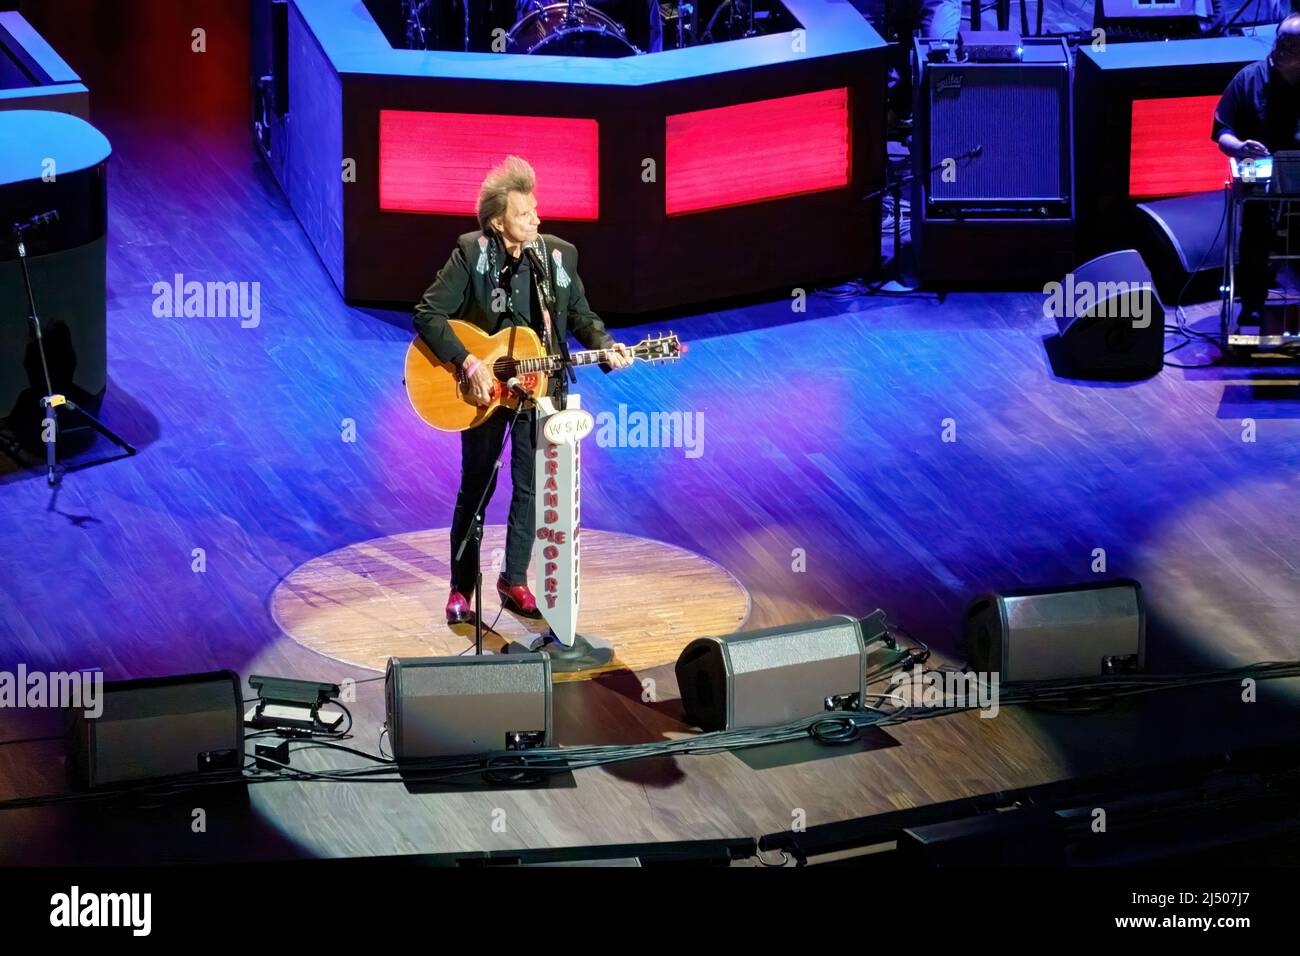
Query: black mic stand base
[581, 656]
[52, 404]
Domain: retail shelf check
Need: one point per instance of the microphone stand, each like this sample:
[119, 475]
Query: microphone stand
[52, 401]
[894, 270]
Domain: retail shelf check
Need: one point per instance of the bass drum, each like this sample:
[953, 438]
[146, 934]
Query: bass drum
[550, 31]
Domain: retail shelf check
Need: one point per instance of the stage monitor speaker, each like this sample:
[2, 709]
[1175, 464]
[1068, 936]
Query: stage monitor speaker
[993, 185]
[776, 675]
[1184, 239]
[458, 706]
[159, 727]
[1110, 319]
[1084, 630]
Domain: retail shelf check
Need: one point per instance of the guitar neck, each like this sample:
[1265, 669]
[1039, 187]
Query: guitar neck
[551, 363]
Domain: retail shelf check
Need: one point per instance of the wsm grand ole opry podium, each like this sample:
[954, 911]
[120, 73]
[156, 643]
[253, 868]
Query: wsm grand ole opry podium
[558, 476]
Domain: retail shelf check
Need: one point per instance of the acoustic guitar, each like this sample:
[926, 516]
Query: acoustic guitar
[439, 395]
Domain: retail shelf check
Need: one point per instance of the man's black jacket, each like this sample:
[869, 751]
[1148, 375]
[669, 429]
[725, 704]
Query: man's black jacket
[463, 290]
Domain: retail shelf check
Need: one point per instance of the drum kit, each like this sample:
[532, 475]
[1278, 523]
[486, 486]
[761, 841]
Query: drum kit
[595, 28]
[571, 28]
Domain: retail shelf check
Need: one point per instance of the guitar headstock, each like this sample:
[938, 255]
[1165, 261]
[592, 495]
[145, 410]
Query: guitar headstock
[659, 348]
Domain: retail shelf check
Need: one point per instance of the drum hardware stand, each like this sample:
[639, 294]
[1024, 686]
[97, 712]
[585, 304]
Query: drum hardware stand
[417, 34]
[685, 14]
[738, 12]
[53, 401]
[747, 13]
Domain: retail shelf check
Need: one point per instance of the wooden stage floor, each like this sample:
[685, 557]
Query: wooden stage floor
[824, 484]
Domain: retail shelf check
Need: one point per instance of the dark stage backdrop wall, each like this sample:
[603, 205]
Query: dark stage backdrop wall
[138, 58]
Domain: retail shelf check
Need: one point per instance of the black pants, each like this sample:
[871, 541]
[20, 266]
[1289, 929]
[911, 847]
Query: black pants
[479, 447]
[1255, 274]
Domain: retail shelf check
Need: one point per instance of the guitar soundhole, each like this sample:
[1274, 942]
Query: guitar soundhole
[504, 368]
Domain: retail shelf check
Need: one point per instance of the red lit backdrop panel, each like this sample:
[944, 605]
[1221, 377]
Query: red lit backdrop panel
[757, 151]
[435, 162]
[1172, 153]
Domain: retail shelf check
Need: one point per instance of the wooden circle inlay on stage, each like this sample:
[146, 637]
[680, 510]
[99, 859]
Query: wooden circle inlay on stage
[384, 598]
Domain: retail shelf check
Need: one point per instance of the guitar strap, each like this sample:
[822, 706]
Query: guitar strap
[554, 342]
[560, 339]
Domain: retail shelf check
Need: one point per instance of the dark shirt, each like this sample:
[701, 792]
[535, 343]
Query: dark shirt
[524, 298]
[516, 273]
[1260, 105]
[521, 294]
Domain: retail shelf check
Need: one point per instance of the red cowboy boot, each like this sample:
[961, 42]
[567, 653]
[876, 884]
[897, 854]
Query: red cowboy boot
[458, 609]
[517, 599]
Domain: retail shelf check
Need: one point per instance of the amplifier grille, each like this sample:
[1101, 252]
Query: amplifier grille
[1017, 114]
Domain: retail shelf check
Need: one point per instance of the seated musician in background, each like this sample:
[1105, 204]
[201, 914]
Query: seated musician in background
[483, 262]
[1259, 114]
[900, 20]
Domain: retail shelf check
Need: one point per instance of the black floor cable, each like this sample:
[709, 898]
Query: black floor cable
[1181, 328]
[832, 728]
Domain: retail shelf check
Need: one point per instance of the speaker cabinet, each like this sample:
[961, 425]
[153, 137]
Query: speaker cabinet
[159, 727]
[1110, 318]
[1053, 633]
[776, 675]
[457, 706]
[1006, 213]
[1183, 240]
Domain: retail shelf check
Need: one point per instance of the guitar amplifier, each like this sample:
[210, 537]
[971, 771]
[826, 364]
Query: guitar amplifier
[993, 190]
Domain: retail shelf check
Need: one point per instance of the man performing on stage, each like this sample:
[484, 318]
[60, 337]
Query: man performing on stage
[1259, 114]
[490, 282]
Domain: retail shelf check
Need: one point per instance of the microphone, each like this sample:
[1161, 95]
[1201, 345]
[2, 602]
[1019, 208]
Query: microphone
[517, 388]
[535, 260]
[976, 151]
[539, 268]
[37, 221]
